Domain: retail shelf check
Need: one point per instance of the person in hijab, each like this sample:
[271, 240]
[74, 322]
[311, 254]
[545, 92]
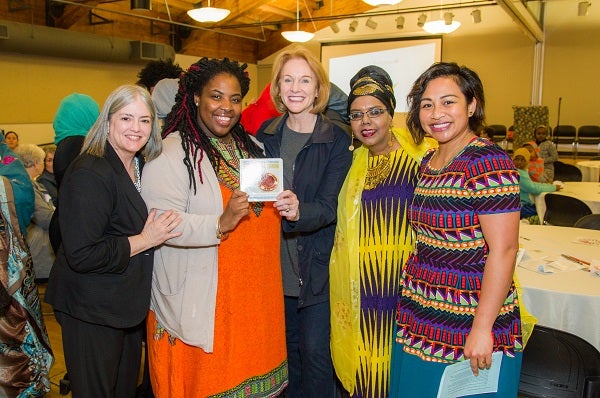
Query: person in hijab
[373, 238]
[521, 158]
[75, 116]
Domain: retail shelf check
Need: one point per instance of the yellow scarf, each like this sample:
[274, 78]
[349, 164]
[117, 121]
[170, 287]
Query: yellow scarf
[344, 270]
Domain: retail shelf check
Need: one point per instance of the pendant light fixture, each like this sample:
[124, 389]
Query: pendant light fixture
[442, 25]
[377, 3]
[297, 36]
[208, 14]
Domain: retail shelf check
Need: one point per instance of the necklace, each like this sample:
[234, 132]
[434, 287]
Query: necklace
[137, 180]
[229, 168]
[378, 172]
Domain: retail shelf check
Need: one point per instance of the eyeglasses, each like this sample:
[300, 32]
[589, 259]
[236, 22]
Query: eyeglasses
[371, 113]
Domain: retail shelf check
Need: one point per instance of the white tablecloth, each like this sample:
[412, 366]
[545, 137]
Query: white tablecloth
[590, 170]
[569, 300]
[589, 192]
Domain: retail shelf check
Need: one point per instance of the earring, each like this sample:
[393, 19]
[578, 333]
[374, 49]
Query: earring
[390, 142]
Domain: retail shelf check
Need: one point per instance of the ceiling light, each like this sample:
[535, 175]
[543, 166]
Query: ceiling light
[141, 5]
[400, 22]
[377, 3]
[476, 14]
[440, 26]
[208, 14]
[583, 8]
[297, 36]
[353, 25]
[371, 24]
[421, 20]
[335, 27]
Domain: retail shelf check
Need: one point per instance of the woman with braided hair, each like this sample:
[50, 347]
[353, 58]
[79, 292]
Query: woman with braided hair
[216, 322]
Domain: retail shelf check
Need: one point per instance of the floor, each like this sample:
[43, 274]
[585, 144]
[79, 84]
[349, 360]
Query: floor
[58, 370]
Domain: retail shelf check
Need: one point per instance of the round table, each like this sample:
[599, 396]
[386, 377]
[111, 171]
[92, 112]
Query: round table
[590, 170]
[568, 300]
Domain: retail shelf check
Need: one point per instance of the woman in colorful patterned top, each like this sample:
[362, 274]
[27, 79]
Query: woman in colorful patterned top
[216, 322]
[372, 237]
[458, 299]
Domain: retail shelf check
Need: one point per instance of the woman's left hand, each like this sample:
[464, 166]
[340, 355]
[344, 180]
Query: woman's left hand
[478, 349]
[287, 204]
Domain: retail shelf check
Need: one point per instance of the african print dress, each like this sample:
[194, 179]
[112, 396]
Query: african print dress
[441, 281]
[367, 261]
[216, 326]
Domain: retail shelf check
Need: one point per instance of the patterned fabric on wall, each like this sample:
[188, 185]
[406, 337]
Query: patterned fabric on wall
[527, 118]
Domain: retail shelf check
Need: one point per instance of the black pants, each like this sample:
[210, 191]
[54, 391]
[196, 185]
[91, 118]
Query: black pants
[102, 361]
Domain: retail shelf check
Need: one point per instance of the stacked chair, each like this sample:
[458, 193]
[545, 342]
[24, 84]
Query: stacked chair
[588, 140]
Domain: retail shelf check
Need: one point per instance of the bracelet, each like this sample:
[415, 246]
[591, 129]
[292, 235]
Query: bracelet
[221, 235]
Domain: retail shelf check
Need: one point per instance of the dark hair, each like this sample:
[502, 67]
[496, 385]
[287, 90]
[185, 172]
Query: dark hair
[183, 115]
[467, 80]
[11, 132]
[155, 71]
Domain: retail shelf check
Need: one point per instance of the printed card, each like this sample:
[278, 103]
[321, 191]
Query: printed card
[261, 179]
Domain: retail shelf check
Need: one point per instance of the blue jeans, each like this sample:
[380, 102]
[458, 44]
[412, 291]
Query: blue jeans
[307, 333]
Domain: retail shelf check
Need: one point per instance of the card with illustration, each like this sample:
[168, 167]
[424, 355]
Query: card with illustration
[261, 179]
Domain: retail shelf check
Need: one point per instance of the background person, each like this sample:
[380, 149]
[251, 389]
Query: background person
[99, 285]
[75, 115]
[42, 254]
[316, 158]
[12, 140]
[529, 187]
[216, 322]
[546, 150]
[155, 71]
[47, 177]
[458, 299]
[536, 164]
[373, 239]
[12, 168]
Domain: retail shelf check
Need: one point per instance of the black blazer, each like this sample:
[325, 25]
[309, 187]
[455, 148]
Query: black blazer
[93, 278]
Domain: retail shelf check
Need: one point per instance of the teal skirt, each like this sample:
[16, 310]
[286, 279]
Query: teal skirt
[412, 377]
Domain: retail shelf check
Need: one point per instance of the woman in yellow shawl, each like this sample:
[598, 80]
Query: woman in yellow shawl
[372, 237]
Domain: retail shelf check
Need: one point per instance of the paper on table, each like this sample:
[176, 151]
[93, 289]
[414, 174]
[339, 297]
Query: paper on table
[546, 264]
[587, 241]
[458, 379]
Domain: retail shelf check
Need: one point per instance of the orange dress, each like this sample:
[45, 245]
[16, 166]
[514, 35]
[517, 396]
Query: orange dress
[249, 355]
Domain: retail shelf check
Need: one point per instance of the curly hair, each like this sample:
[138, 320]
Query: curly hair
[183, 115]
[467, 80]
[155, 71]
